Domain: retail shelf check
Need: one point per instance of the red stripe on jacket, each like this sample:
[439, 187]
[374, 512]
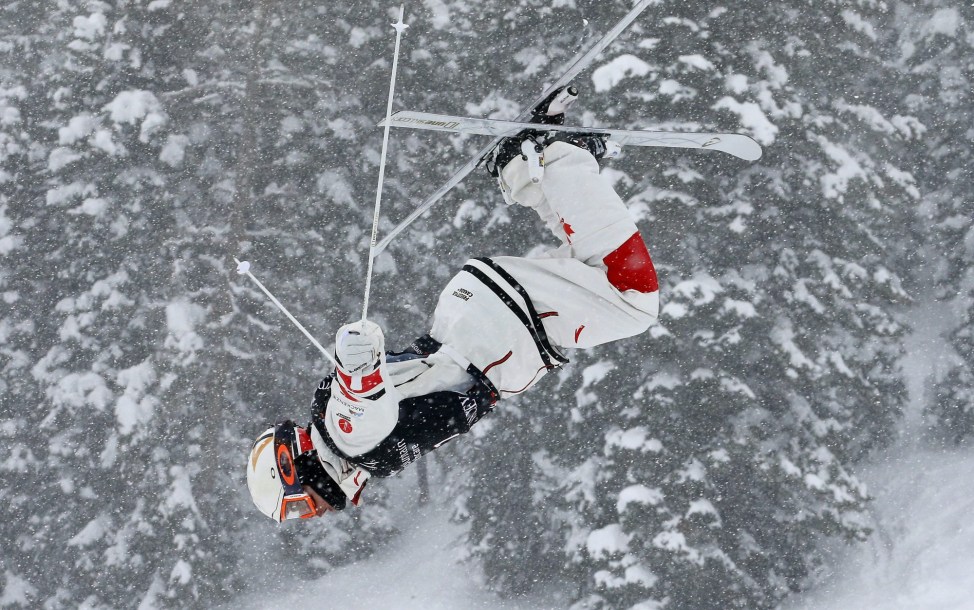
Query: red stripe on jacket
[368, 381]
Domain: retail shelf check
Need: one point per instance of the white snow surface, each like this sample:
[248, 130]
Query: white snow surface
[420, 570]
[921, 554]
[91, 27]
[131, 106]
[607, 540]
[609, 75]
[920, 557]
[16, 591]
[638, 494]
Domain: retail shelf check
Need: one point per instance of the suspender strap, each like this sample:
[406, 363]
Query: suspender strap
[530, 318]
[535, 318]
[485, 392]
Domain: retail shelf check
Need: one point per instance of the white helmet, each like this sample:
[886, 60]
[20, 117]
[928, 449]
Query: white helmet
[262, 478]
[272, 476]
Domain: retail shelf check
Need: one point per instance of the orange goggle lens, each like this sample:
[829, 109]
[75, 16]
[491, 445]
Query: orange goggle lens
[297, 507]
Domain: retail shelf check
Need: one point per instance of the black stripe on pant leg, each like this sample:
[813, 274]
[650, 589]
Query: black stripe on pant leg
[517, 311]
[535, 318]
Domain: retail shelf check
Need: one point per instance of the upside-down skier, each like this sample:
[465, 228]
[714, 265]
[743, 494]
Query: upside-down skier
[499, 326]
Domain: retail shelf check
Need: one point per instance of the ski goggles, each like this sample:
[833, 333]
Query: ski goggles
[289, 440]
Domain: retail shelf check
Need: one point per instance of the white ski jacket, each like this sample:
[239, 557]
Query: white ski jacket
[501, 323]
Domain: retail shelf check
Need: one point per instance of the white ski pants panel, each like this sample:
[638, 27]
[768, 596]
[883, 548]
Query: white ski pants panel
[574, 200]
[582, 209]
[575, 290]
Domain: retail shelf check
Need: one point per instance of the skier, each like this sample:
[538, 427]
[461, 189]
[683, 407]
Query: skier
[499, 326]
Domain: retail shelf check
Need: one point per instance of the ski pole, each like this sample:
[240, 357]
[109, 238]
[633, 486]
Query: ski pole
[243, 268]
[581, 61]
[400, 27]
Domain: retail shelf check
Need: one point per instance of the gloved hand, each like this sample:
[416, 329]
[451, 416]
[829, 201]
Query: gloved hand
[358, 347]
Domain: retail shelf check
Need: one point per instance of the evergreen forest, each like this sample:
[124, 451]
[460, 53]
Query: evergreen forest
[709, 463]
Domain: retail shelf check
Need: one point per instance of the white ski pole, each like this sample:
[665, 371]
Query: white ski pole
[400, 27]
[243, 268]
[581, 61]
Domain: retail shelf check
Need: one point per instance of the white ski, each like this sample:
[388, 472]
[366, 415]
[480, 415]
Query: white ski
[580, 62]
[738, 145]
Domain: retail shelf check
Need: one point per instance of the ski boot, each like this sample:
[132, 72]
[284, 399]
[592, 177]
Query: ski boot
[598, 144]
[529, 144]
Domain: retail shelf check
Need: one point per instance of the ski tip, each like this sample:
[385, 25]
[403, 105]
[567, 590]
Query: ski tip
[752, 151]
[738, 145]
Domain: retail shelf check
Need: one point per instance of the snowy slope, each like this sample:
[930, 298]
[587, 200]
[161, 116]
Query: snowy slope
[419, 571]
[921, 556]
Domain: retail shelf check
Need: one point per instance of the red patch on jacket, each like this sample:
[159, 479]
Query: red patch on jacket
[304, 440]
[629, 267]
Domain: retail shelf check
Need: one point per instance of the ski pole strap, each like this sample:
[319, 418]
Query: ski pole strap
[529, 318]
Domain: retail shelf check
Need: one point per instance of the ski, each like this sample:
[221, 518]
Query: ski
[738, 145]
[581, 61]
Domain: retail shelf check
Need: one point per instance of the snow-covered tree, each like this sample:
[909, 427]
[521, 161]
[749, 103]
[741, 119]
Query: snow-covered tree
[147, 145]
[108, 497]
[935, 50]
[20, 459]
[727, 434]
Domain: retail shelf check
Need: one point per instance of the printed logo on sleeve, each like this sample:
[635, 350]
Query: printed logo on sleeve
[469, 409]
[462, 293]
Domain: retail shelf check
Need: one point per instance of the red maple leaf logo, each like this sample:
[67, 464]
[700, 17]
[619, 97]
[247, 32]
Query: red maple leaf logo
[569, 231]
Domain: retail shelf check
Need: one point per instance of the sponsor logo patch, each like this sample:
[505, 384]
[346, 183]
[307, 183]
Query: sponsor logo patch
[462, 293]
[469, 409]
[431, 123]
